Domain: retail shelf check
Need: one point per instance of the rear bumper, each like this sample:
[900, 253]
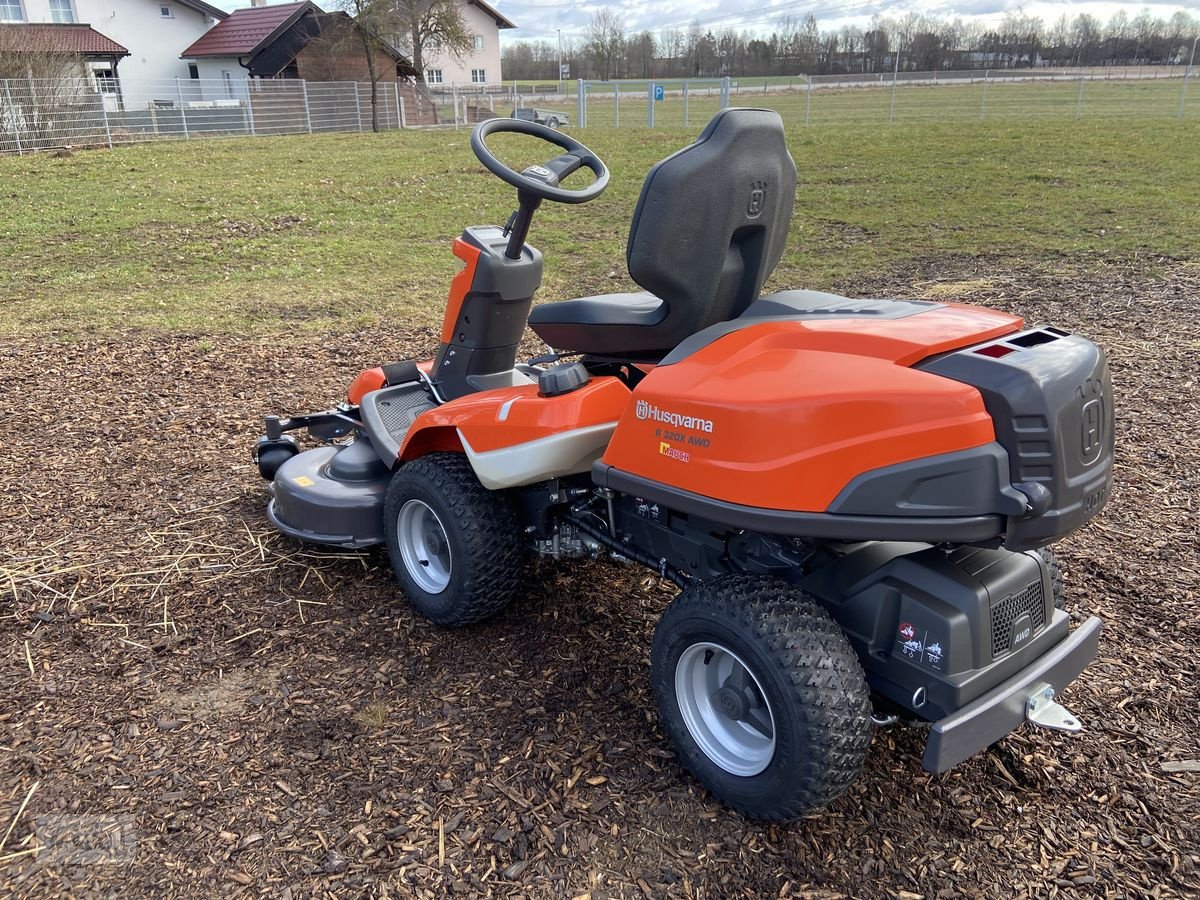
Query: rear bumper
[981, 723]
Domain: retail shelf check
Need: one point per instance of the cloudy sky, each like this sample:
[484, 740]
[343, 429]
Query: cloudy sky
[541, 19]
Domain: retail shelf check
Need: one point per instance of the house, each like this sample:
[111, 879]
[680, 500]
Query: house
[482, 65]
[149, 33]
[288, 40]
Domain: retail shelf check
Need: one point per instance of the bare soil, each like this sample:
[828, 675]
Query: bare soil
[194, 705]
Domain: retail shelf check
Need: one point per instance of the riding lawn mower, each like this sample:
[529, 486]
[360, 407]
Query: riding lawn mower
[856, 497]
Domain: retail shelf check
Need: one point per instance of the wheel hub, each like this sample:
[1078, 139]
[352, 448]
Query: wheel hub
[424, 547]
[725, 709]
[730, 702]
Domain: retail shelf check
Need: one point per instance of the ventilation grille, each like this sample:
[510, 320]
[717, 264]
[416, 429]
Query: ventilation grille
[1007, 611]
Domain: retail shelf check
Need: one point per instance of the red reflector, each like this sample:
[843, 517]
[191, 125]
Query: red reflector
[995, 351]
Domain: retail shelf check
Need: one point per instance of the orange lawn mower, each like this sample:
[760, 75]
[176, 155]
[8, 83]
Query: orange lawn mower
[855, 497]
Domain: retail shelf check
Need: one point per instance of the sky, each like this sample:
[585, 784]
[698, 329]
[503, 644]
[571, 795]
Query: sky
[541, 19]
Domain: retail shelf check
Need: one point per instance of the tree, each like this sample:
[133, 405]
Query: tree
[606, 41]
[49, 97]
[430, 26]
[371, 20]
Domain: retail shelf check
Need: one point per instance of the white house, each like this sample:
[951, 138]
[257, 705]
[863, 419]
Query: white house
[482, 65]
[153, 31]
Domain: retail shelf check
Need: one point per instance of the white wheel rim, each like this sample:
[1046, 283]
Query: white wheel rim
[424, 546]
[725, 709]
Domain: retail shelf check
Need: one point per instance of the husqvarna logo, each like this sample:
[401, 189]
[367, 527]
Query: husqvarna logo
[758, 199]
[1093, 431]
[644, 410]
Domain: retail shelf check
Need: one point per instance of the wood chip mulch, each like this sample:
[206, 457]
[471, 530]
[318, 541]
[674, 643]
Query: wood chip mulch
[196, 706]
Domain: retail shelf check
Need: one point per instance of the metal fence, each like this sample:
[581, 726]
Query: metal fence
[890, 98]
[39, 114]
[47, 113]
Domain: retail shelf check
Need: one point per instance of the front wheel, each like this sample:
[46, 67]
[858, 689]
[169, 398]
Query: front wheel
[762, 695]
[454, 545]
[552, 123]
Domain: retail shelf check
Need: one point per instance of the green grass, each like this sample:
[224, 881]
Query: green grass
[349, 231]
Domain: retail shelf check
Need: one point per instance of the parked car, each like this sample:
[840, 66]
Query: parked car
[548, 117]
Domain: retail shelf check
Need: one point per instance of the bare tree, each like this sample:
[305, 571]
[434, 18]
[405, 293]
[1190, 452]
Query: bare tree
[606, 41]
[372, 20]
[47, 92]
[431, 27]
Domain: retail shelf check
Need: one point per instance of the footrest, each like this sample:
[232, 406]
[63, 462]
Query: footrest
[390, 412]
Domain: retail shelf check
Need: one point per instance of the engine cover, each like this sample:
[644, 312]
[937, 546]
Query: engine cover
[936, 628]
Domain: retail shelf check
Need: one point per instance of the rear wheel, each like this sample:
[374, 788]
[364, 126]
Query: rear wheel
[552, 123]
[453, 544]
[1057, 586]
[762, 695]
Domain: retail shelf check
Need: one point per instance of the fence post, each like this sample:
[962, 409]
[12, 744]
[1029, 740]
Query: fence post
[650, 105]
[725, 92]
[104, 113]
[454, 96]
[357, 106]
[581, 93]
[616, 104]
[1079, 103]
[685, 104]
[808, 100]
[307, 110]
[250, 110]
[1183, 90]
[400, 108]
[983, 98]
[16, 124]
[892, 103]
[182, 112]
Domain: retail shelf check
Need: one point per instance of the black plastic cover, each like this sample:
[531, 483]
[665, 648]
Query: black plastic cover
[1050, 398]
[925, 617]
[492, 317]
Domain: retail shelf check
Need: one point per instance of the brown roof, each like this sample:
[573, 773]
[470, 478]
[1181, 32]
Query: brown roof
[245, 30]
[81, 39]
[501, 20]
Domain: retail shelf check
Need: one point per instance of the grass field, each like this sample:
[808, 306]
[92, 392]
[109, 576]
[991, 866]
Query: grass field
[277, 234]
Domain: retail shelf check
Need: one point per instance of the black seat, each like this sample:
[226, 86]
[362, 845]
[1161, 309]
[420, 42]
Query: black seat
[708, 229]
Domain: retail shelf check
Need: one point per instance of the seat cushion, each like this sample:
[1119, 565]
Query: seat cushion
[610, 324]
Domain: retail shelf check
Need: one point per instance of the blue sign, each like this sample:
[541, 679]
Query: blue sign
[659, 93]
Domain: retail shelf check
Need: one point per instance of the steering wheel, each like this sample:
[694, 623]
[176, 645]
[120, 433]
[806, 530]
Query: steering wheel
[542, 181]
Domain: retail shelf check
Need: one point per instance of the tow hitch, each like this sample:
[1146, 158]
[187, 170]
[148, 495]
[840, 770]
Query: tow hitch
[1042, 710]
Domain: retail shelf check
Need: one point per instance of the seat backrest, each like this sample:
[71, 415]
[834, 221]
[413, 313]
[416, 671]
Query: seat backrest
[712, 221]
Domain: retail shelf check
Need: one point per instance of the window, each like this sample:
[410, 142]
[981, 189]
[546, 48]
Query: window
[62, 12]
[106, 80]
[10, 11]
[478, 76]
[228, 77]
[193, 71]
[479, 42]
[166, 12]
[433, 76]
